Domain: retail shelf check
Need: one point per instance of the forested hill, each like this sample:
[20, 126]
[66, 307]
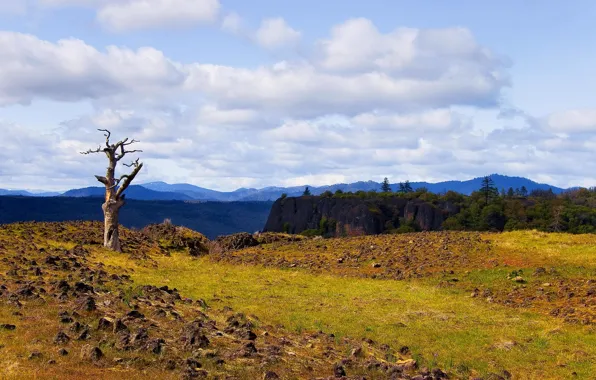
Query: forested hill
[210, 218]
[340, 214]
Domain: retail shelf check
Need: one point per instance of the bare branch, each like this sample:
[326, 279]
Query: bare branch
[128, 179]
[91, 151]
[134, 163]
[117, 181]
[107, 134]
[101, 179]
[133, 141]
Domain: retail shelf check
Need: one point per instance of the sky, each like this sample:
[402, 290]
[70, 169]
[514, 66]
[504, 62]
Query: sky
[226, 94]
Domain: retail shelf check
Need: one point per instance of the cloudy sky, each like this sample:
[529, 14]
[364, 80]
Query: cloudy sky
[235, 93]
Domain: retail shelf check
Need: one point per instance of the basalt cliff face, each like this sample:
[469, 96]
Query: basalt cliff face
[356, 216]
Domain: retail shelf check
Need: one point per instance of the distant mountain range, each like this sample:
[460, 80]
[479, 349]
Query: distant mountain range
[187, 192]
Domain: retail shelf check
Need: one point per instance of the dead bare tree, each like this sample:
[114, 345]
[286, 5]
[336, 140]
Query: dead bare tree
[115, 187]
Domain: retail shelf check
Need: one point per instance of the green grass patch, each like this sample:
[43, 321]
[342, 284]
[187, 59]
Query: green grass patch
[444, 327]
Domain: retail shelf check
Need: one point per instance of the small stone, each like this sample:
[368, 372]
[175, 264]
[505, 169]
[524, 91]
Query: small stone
[376, 265]
[105, 323]
[34, 355]
[135, 314]
[356, 351]
[91, 353]
[51, 361]
[61, 338]
[270, 375]
[519, 279]
[339, 371]
[6, 326]
[62, 352]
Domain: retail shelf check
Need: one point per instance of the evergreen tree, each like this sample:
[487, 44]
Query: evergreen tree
[402, 188]
[488, 189]
[523, 191]
[407, 187]
[510, 192]
[385, 186]
[306, 191]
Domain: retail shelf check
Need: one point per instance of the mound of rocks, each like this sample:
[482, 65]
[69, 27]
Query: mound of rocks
[233, 242]
[274, 237]
[171, 237]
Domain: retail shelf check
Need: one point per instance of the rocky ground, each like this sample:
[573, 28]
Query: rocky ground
[65, 316]
[463, 260]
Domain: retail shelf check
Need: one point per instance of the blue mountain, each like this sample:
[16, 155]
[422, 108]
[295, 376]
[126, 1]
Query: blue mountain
[187, 192]
[133, 192]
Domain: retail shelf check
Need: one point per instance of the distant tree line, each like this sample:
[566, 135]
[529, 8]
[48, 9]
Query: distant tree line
[489, 209]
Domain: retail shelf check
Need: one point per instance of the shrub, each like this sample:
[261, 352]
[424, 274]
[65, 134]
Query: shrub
[311, 233]
[286, 227]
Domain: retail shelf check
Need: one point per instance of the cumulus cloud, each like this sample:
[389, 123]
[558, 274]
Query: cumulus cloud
[71, 70]
[366, 105]
[275, 33]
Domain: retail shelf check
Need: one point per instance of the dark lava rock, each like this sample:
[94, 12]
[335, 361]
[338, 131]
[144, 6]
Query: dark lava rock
[105, 323]
[61, 338]
[339, 371]
[91, 353]
[155, 345]
[249, 349]
[86, 303]
[270, 375]
[119, 326]
[135, 314]
[62, 352]
[7, 326]
[35, 355]
[192, 336]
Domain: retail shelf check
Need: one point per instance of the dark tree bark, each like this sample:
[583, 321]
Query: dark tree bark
[115, 187]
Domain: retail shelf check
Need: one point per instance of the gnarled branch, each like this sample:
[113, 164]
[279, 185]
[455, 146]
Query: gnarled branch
[129, 178]
[91, 151]
[102, 179]
[107, 134]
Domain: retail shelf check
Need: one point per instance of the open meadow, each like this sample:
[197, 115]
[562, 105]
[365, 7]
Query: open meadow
[518, 305]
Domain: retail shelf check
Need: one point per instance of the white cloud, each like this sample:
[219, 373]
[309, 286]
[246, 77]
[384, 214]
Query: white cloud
[144, 14]
[579, 120]
[367, 104]
[71, 70]
[357, 45]
[276, 33]
[232, 23]
[124, 15]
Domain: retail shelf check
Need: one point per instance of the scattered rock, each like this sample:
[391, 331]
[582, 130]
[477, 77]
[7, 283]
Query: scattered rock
[339, 371]
[61, 338]
[270, 375]
[7, 326]
[35, 355]
[91, 353]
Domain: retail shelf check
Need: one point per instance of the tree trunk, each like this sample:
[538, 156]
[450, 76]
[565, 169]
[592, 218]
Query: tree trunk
[111, 238]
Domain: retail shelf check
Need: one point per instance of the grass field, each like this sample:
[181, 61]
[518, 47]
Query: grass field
[518, 305]
[442, 323]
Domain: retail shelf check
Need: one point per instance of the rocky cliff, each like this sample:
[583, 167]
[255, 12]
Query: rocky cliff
[355, 216]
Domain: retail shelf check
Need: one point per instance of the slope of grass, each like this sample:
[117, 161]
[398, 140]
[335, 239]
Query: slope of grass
[444, 327]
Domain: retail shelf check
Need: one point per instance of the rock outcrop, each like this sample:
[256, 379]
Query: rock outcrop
[355, 216]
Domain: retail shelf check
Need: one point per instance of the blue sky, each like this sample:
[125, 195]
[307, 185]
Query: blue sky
[227, 94]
